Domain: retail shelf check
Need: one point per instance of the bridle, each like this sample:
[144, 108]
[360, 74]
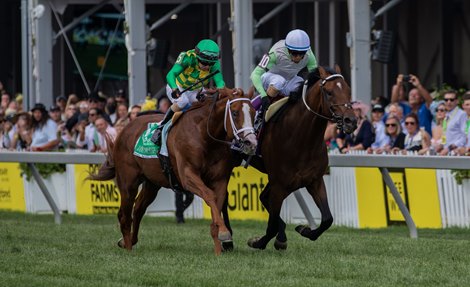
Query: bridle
[228, 114]
[338, 119]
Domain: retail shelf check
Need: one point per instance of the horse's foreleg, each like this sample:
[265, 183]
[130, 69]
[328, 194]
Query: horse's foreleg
[219, 231]
[146, 196]
[318, 192]
[281, 238]
[274, 203]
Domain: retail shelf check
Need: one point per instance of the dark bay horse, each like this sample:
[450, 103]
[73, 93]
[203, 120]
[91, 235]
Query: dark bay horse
[294, 154]
[199, 149]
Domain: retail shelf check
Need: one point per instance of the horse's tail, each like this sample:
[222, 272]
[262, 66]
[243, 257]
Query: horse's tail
[107, 170]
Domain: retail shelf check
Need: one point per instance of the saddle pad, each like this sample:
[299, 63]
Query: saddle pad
[273, 108]
[144, 147]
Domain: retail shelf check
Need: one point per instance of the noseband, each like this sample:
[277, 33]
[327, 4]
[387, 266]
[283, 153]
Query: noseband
[228, 114]
[338, 119]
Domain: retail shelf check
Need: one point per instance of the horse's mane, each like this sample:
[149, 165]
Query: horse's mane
[313, 77]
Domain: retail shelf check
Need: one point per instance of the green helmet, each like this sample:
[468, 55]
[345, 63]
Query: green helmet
[207, 50]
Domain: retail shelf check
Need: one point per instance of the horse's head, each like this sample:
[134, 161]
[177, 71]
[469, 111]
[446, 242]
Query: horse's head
[239, 115]
[337, 94]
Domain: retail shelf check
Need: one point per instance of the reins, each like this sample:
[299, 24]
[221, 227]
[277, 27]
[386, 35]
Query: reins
[338, 119]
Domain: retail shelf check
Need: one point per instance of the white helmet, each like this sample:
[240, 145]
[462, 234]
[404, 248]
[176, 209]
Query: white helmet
[297, 40]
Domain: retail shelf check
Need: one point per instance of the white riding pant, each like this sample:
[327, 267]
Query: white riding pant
[285, 87]
[185, 100]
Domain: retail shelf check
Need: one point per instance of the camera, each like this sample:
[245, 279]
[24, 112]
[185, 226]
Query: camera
[406, 78]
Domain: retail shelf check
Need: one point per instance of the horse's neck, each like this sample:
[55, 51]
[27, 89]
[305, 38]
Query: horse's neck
[305, 120]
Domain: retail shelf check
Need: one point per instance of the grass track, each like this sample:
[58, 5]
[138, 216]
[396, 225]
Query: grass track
[82, 251]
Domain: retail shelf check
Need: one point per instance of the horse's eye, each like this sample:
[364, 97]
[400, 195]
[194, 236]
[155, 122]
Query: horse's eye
[234, 114]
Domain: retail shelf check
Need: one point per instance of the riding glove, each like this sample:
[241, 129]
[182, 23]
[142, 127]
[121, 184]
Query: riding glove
[175, 94]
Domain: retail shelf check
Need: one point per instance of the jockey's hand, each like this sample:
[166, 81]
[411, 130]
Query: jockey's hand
[211, 91]
[175, 94]
[265, 102]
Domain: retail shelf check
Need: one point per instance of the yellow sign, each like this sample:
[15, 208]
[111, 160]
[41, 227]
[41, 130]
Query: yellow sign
[374, 198]
[92, 196]
[393, 211]
[244, 188]
[11, 187]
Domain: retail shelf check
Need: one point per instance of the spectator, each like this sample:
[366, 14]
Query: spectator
[19, 101]
[83, 107]
[120, 124]
[395, 137]
[453, 125]
[419, 99]
[22, 137]
[70, 111]
[110, 109]
[330, 135]
[466, 107]
[121, 112]
[396, 110]
[379, 126]
[121, 98]
[61, 102]
[55, 114]
[6, 127]
[437, 128]
[363, 137]
[417, 139]
[5, 100]
[135, 110]
[44, 130]
[164, 104]
[99, 138]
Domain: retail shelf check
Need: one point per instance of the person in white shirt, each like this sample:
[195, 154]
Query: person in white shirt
[44, 130]
[102, 129]
[453, 126]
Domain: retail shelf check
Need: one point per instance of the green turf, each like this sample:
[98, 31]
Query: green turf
[82, 251]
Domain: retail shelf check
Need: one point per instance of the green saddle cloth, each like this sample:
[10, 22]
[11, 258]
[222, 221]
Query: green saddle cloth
[144, 147]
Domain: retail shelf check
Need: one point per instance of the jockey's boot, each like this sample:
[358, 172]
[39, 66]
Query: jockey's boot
[157, 135]
[259, 121]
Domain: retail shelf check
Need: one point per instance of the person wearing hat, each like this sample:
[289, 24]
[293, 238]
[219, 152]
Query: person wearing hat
[190, 67]
[44, 130]
[379, 126]
[363, 137]
[276, 73]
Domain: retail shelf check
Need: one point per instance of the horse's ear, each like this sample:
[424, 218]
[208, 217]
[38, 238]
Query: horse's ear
[250, 93]
[322, 71]
[237, 92]
[337, 69]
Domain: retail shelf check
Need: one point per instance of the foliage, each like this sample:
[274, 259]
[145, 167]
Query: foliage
[44, 169]
[82, 251]
[439, 92]
[460, 174]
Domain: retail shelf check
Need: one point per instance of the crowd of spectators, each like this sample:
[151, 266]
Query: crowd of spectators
[70, 123]
[414, 121]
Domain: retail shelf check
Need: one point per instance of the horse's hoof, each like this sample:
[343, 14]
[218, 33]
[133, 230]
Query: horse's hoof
[227, 246]
[254, 243]
[120, 243]
[303, 230]
[279, 245]
[225, 236]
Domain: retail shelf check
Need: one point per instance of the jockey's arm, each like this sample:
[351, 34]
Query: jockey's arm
[264, 65]
[218, 78]
[312, 61]
[172, 74]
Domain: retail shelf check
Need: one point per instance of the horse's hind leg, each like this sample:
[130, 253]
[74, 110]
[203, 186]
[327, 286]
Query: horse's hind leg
[274, 203]
[318, 192]
[145, 197]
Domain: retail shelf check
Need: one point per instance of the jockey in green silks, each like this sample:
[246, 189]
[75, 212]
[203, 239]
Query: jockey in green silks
[277, 71]
[190, 67]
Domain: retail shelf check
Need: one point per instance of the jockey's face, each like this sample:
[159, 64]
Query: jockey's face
[205, 66]
[296, 56]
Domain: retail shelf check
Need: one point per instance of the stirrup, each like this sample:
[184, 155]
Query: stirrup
[157, 136]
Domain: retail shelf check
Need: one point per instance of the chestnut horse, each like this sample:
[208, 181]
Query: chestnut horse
[294, 154]
[199, 148]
